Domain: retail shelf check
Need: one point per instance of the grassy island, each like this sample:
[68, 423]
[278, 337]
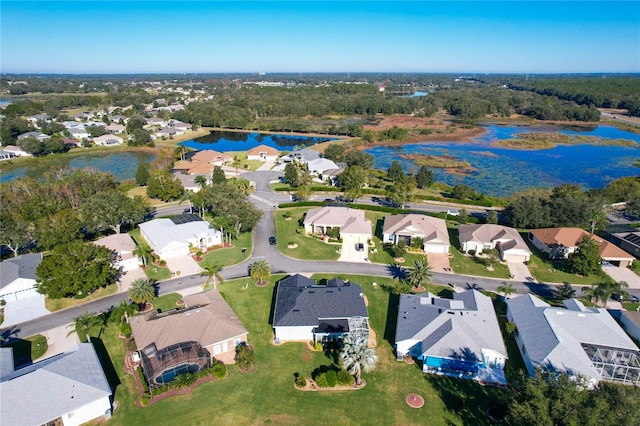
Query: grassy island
[544, 140]
[449, 163]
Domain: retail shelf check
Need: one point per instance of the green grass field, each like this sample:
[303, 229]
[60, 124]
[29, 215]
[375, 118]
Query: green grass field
[309, 248]
[267, 395]
[232, 255]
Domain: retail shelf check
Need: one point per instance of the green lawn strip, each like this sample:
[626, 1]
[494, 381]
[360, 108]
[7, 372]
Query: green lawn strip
[267, 395]
[251, 165]
[166, 302]
[153, 271]
[471, 265]
[548, 271]
[309, 248]
[53, 305]
[231, 255]
[630, 306]
[29, 349]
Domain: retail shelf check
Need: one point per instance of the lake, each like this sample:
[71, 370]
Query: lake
[502, 172]
[122, 165]
[237, 141]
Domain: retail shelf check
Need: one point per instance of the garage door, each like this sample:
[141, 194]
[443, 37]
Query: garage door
[515, 258]
[436, 248]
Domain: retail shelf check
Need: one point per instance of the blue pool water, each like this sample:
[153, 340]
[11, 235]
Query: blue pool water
[170, 374]
[236, 141]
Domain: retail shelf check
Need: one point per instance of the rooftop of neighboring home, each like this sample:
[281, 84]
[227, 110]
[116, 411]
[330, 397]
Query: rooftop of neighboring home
[300, 301]
[574, 339]
[21, 266]
[632, 238]
[107, 138]
[319, 165]
[490, 233]
[262, 149]
[162, 232]
[349, 220]
[446, 327]
[41, 392]
[33, 134]
[207, 319]
[572, 237]
[416, 224]
[120, 243]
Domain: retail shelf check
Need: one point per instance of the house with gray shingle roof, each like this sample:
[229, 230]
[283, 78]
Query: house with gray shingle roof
[406, 227]
[576, 340]
[457, 337]
[70, 388]
[306, 311]
[18, 277]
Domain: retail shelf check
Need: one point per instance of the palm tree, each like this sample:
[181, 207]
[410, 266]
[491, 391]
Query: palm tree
[606, 289]
[592, 293]
[236, 163]
[421, 273]
[141, 291]
[260, 270]
[355, 357]
[84, 323]
[506, 289]
[120, 314]
[212, 272]
[143, 251]
[200, 180]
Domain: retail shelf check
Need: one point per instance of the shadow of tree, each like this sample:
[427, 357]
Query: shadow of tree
[397, 272]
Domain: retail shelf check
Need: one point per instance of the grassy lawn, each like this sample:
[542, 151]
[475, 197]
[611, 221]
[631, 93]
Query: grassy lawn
[68, 302]
[250, 165]
[232, 255]
[166, 302]
[383, 255]
[266, 395]
[548, 271]
[630, 306]
[154, 272]
[309, 248]
[471, 265]
[29, 349]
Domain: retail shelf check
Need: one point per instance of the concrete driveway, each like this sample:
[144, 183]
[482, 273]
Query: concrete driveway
[348, 253]
[519, 271]
[16, 312]
[59, 340]
[183, 265]
[622, 274]
[128, 277]
[439, 262]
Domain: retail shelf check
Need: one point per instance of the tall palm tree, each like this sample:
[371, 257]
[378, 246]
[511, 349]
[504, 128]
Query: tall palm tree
[141, 291]
[84, 323]
[120, 314]
[212, 272]
[200, 180]
[506, 289]
[593, 293]
[420, 273]
[260, 270]
[356, 358]
[606, 289]
[143, 251]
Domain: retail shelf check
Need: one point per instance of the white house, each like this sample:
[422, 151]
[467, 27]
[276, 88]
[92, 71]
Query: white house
[457, 337]
[79, 133]
[38, 135]
[7, 155]
[631, 322]
[319, 165]
[18, 277]
[576, 340]
[108, 140]
[305, 311]
[115, 129]
[16, 151]
[262, 153]
[174, 237]
[123, 246]
[506, 240]
[406, 227]
[68, 389]
[353, 226]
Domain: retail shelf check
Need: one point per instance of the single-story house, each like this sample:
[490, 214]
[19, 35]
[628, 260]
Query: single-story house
[79, 133]
[39, 117]
[319, 165]
[38, 135]
[17, 151]
[169, 131]
[174, 237]
[332, 175]
[305, 311]
[72, 124]
[628, 241]
[153, 121]
[506, 240]
[576, 340]
[189, 183]
[72, 142]
[115, 128]
[108, 140]
[123, 246]
[457, 337]
[7, 155]
[69, 389]
[630, 321]
[406, 227]
[560, 242]
[262, 153]
[185, 338]
[179, 125]
[203, 162]
[18, 277]
[354, 227]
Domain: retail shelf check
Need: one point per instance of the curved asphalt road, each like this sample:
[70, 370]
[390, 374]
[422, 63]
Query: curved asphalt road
[267, 201]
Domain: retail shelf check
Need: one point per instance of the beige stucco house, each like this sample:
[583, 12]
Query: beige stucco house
[507, 241]
[406, 227]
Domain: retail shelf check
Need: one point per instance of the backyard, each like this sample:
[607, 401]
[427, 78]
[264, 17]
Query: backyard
[266, 395]
[288, 221]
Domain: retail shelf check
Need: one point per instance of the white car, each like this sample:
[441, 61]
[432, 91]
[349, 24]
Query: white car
[453, 212]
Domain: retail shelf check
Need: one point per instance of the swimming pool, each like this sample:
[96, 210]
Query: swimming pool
[169, 374]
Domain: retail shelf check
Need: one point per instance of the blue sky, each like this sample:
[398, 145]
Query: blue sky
[167, 36]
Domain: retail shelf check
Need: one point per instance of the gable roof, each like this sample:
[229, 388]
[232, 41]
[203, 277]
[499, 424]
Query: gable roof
[554, 337]
[349, 220]
[571, 237]
[53, 387]
[22, 266]
[262, 149]
[207, 320]
[300, 302]
[162, 232]
[487, 233]
[122, 244]
[320, 165]
[431, 228]
[450, 327]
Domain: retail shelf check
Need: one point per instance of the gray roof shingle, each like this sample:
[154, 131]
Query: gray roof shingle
[22, 266]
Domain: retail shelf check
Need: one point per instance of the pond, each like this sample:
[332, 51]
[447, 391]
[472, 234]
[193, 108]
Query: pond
[122, 165]
[237, 141]
[502, 172]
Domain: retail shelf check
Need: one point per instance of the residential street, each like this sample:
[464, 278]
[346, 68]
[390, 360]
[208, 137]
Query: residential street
[266, 200]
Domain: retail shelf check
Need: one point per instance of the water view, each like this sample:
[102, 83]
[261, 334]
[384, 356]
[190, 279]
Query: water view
[121, 165]
[501, 172]
[236, 141]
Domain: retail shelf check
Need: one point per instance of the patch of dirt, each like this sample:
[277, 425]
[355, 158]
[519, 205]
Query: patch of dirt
[312, 387]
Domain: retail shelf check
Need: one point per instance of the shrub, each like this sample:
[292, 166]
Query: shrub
[145, 385]
[144, 399]
[398, 251]
[472, 252]
[301, 382]
[184, 380]
[332, 378]
[131, 345]
[417, 242]
[345, 378]
[219, 370]
[318, 347]
[163, 263]
[244, 356]
[125, 329]
[321, 380]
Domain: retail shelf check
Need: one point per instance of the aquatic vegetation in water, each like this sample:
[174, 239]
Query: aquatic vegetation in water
[449, 163]
[532, 141]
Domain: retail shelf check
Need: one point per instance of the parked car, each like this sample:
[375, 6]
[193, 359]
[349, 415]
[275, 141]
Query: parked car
[618, 297]
[272, 240]
[359, 247]
[328, 200]
[453, 212]
[634, 299]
